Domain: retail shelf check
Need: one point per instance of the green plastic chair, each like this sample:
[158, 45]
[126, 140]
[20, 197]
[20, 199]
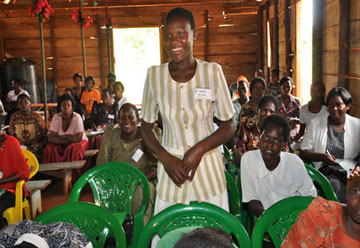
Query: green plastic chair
[245, 216]
[235, 203]
[195, 214]
[95, 222]
[278, 219]
[113, 185]
[321, 183]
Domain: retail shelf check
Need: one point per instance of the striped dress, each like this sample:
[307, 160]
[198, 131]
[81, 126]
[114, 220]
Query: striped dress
[187, 119]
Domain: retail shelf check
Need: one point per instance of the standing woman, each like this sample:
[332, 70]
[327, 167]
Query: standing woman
[188, 93]
[13, 168]
[28, 126]
[67, 140]
[289, 105]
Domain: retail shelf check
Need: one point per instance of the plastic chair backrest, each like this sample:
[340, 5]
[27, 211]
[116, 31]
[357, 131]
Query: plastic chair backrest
[16, 213]
[195, 214]
[321, 183]
[32, 162]
[235, 203]
[278, 219]
[95, 222]
[113, 185]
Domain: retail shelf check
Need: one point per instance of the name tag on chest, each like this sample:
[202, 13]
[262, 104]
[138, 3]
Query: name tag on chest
[203, 94]
[137, 155]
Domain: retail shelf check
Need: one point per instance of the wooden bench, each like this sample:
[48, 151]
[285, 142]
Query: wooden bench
[90, 153]
[62, 170]
[34, 188]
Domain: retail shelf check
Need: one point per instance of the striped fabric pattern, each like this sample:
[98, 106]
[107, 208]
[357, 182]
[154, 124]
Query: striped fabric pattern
[186, 121]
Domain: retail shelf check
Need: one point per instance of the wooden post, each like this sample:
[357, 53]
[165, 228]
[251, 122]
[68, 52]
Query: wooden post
[53, 49]
[288, 51]
[108, 34]
[82, 42]
[275, 52]
[317, 40]
[42, 56]
[344, 40]
[260, 51]
[206, 35]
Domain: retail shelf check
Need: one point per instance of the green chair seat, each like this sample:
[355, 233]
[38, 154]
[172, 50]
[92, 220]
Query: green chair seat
[95, 222]
[113, 185]
[195, 214]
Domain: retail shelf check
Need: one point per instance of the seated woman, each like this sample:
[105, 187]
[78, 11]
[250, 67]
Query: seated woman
[333, 137]
[120, 144]
[67, 140]
[101, 114]
[11, 98]
[289, 105]
[13, 167]
[315, 107]
[28, 126]
[249, 110]
[249, 137]
[78, 106]
[328, 223]
[269, 175]
[119, 99]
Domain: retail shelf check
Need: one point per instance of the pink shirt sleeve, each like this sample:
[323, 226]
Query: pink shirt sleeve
[77, 124]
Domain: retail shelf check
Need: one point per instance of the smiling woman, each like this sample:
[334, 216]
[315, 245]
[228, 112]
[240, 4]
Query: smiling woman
[187, 93]
[125, 144]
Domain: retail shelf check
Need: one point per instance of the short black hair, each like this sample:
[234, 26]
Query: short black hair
[266, 99]
[255, 81]
[77, 75]
[111, 76]
[130, 105]
[182, 13]
[66, 97]
[71, 91]
[23, 95]
[285, 79]
[342, 93]
[121, 85]
[205, 237]
[106, 90]
[279, 121]
[17, 80]
[322, 89]
[275, 71]
[90, 78]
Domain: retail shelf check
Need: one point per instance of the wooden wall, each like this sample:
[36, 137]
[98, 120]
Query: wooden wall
[229, 39]
[354, 56]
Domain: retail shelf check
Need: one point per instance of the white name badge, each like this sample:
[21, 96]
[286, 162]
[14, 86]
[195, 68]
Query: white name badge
[204, 94]
[1, 175]
[137, 155]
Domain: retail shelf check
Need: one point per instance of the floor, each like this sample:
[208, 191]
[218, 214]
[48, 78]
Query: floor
[53, 195]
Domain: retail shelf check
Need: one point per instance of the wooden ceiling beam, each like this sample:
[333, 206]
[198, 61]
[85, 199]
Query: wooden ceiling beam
[238, 4]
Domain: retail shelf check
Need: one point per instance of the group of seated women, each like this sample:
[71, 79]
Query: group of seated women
[328, 135]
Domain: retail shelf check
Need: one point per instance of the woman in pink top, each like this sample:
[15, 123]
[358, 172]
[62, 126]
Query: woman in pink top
[67, 140]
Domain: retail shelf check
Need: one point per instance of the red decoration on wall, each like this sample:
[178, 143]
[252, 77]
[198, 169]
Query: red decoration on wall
[40, 8]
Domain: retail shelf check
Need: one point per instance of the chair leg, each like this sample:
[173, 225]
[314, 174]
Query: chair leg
[26, 208]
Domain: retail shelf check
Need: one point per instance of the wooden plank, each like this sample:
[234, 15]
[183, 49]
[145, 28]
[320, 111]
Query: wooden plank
[330, 39]
[330, 59]
[33, 185]
[331, 13]
[355, 10]
[344, 38]
[61, 165]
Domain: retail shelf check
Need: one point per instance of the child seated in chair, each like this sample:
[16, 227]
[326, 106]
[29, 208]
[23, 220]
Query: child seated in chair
[269, 175]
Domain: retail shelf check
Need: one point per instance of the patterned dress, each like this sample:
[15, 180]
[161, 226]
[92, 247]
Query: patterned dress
[290, 111]
[27, 128]
[320, 225]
